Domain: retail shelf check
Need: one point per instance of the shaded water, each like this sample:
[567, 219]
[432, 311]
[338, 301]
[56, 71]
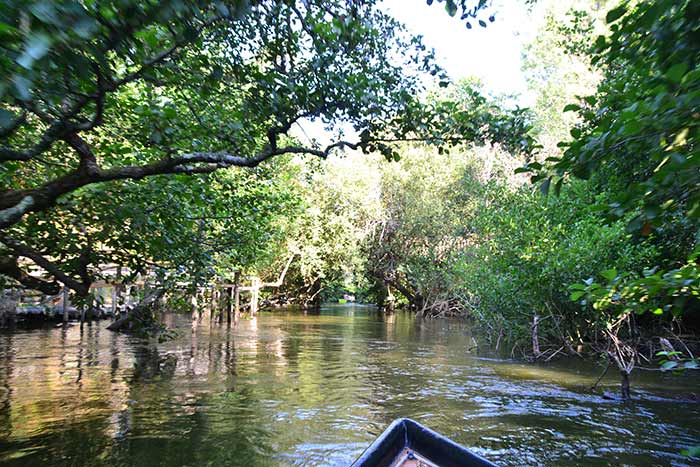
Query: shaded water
[292, 389]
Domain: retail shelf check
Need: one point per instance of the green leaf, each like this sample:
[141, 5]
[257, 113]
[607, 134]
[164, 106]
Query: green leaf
[676, 72]
[575, 296]
[600, 42]
[36, 47]
[669, 365]
[6, 29]
[692, 451]
[572, 108]
[609, 274]
[631, 127]
[615, 14]
[451, 8]
[23, 87]
[6, 118]
[544, 188]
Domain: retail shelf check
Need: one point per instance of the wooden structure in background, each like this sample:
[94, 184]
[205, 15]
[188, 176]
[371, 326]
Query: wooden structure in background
[111, 296]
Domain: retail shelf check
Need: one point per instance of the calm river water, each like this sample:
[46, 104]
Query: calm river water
[294, 389]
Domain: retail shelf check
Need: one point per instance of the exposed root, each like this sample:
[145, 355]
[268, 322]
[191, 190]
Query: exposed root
[622, 353]
[140, 320]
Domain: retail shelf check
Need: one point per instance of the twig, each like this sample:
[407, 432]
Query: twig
[605, 371]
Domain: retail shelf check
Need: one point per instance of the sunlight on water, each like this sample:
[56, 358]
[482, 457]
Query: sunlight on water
[295, 389]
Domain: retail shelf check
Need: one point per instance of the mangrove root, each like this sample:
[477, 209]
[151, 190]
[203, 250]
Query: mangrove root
[141, 319]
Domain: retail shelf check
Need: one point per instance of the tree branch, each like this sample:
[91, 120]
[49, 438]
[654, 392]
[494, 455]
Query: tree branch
[59, 128]
[16, 203]
[19, 121]
[25, 251]
[88, 161]
[10, 268]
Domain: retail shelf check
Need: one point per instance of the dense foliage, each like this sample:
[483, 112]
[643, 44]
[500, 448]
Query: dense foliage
[637, 140]
[96, 97]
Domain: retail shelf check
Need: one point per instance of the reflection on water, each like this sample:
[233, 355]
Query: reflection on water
[292, 389]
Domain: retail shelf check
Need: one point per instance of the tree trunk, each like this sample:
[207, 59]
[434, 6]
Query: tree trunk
[390, 300]
[314, 301]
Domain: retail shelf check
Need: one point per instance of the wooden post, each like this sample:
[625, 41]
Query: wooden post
[117, 293]
[236, 296]
[254, 294]
[114, 299]
[216, 303]
[212, 305]
[65, 304]
[535, 337]
[221, 304]
[229, 304]
[127, 299]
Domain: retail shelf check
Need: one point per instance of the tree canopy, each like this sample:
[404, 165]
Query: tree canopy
[101, 100]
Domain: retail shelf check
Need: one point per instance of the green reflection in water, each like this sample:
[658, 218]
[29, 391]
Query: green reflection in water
[295, 389]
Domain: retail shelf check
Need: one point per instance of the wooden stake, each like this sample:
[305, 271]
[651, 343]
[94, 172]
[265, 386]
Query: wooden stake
[114, 299]
[254, 296]
[236, 296]
[65, 304]
[535, 337]
[229, 304]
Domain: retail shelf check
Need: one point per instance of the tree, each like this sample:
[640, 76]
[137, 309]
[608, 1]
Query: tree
[557, 67]
[96, 92]
[638, 141]
[339, 209]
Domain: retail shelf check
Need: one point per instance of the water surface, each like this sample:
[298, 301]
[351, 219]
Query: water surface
[295, 389]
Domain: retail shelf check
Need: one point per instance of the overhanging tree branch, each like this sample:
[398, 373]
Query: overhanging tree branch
[23, 250]
[10, 268]
[16, 203]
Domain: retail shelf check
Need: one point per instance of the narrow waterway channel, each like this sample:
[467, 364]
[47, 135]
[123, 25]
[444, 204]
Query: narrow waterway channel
[295, 389]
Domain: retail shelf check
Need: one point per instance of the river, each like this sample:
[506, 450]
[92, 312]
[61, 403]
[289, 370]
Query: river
[288, 388]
